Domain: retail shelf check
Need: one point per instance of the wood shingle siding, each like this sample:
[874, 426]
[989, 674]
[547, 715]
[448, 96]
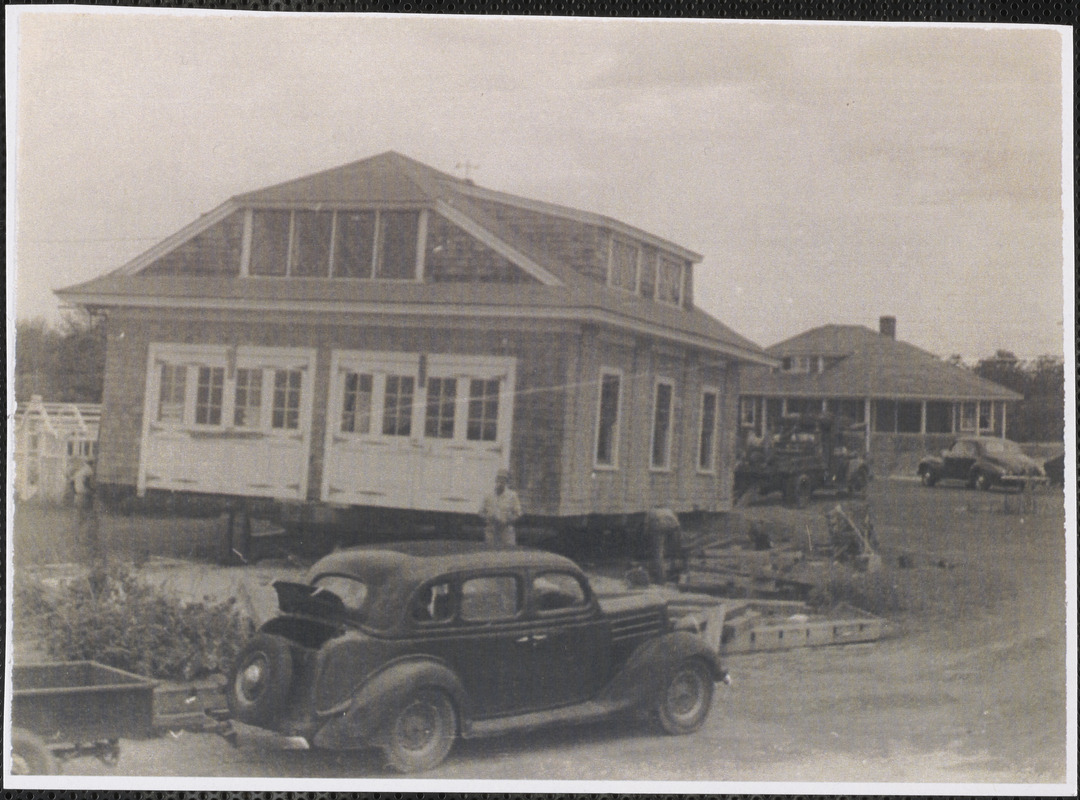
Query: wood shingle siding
[215, 251]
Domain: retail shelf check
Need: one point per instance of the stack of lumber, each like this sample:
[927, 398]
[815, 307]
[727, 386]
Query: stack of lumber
[738, 572]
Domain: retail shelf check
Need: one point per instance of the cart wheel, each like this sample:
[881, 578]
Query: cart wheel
[260, 679]
[30, 755]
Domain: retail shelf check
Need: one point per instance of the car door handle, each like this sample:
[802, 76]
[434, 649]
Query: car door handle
[523, 640]
[539, 637]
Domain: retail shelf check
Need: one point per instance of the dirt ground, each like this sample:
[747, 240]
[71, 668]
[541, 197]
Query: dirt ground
[969, 688]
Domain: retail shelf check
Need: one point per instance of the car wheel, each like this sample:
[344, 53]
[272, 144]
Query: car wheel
[798, 491]
[422, 732]
[983, 482]
[260, 679]
[30, 755]
[686, 698]
[928, 478]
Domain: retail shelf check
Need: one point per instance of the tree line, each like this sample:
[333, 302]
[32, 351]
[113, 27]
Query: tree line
[61, 363]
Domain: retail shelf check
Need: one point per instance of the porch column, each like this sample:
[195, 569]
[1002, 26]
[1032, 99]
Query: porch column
[783, 406]
[824, 406]
[922, 422]
[1004, 417]
[764, 414]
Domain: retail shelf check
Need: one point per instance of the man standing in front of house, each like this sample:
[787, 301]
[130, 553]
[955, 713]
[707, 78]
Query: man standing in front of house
[500, 510]
[85, 509]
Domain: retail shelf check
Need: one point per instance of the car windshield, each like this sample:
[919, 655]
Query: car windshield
[1002, 447]
[350, 591]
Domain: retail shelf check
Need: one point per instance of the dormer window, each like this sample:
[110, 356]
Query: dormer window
[801, 365]
[669, 280]
[346, 244]
[623, 265]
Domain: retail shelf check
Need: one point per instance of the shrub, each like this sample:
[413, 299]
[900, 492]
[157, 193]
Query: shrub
[116, 619]
[876, 592]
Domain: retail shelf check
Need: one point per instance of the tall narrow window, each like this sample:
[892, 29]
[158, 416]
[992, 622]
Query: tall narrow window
[397, 245]
[661, 433]
[172, 392]
[356, 405]
[209, 394]
[607, 429]
[286, 408]
[483, 411]
[707, 438]
[397, 405]
[969, 415]
[624, 265]
[669, 281]
[248, 398]
[311, 243]
[269, 242]
[441, 396]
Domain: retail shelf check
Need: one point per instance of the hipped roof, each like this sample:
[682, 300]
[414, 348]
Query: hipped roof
[871, 365]
[391, 179]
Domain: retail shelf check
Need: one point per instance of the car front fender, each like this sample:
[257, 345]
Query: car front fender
[365, 719]
[643, 676]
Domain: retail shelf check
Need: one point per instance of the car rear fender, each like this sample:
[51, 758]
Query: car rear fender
[365, 719]
[931, 463]
[643, 675]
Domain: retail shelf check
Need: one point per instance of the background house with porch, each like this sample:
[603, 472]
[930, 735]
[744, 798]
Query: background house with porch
[909, 400]
[386, 336]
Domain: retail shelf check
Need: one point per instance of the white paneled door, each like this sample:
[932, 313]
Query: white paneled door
[419, 432]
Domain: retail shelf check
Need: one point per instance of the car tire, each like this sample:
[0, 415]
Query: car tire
[260, 679]
[686, 698]
[421, 732]
[983, 482]
[798, 491]
[928, 478]
[30, 755]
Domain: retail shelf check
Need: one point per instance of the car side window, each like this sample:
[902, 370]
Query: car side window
[490, 598]
[557, 591]
[433, 603]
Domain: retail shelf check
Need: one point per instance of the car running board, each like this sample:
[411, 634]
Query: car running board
[579, 712]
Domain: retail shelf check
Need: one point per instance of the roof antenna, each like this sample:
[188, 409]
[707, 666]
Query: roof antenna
[466, 166]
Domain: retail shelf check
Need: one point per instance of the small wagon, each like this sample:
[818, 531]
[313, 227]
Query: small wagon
[79, 708]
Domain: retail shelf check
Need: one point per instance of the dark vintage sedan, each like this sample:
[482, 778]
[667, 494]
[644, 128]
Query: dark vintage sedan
[404, 647]
[982, 462]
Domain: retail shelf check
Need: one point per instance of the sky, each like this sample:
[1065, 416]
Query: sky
[828, 173]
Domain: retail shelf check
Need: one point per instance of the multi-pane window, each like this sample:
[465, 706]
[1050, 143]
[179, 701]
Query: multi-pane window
[367, 244]
[747, 411]
[607, 430]
[356, 405]
[661, 432]
[669, 276]
[248, 398]
[969, 415]
[397, 405]
[483, 411]
[209, 393]
[172, 393]
[286, 408]
[311, 243]
[707, 439]
[624, 265]
[441, 396]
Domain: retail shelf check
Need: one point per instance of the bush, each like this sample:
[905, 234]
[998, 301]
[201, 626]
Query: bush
[116, 619]
[876, 592]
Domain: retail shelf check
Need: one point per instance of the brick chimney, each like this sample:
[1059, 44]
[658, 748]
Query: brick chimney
[887, 327]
